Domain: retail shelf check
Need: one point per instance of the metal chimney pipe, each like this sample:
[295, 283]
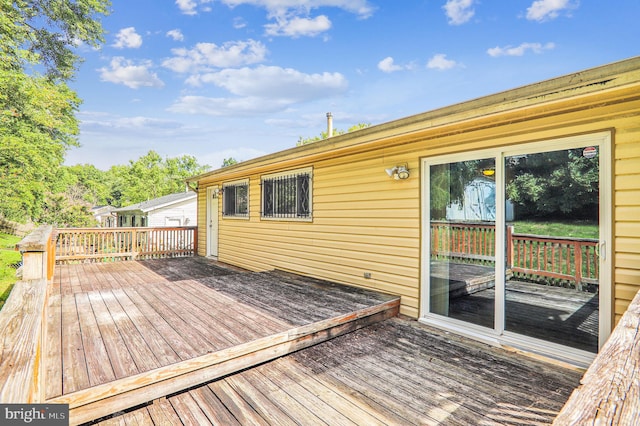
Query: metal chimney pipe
[329, 125]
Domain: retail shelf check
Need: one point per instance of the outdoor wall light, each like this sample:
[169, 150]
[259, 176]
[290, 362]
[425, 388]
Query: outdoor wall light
[398, 172]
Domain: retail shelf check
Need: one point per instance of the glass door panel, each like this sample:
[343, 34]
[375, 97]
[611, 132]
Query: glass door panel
[462, 228]
[552, 232]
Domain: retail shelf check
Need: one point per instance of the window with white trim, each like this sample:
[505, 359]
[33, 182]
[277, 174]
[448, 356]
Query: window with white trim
[287, 195]
[235, 199]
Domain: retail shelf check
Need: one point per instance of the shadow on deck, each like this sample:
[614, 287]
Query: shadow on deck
[125, 333]
[190, 341]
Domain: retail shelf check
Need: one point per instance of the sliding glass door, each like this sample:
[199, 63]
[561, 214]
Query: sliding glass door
[517, 244]
[462, 214]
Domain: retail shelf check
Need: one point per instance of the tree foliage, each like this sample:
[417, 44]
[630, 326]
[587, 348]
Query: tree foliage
[45, 33]
[559, 184]
[563, 184]
[150, 177]
[37, 108]
[229, 162]
[324, 135]
[37, 125]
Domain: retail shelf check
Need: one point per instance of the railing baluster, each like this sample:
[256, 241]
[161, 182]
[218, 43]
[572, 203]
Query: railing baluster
[109, 244]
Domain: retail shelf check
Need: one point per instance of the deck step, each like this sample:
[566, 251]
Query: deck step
[103, 400]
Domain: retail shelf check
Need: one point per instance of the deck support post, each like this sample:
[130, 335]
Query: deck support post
[22, 322]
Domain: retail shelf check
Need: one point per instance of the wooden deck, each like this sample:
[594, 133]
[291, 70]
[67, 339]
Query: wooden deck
[397, 372]
[124, 333]
[189, 341]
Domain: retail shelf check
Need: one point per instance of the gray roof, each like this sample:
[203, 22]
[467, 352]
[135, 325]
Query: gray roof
[157, 203]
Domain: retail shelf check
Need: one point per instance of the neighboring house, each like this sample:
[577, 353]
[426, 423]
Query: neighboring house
[478, 203]
[171, 210]
[104, 215]
[331, 210]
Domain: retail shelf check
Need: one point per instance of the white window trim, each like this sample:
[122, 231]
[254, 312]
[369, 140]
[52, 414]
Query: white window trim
[237, 183]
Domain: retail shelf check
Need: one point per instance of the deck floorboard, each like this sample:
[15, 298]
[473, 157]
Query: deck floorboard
[109, 324]
[391, 373]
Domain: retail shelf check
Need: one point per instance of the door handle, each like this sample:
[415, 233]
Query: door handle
[601, 250]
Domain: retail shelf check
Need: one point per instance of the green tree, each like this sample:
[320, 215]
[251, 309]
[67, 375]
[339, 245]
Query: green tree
[229, 162]
[37, 121]
[559, 184]
[325, 135]
[150, 177]
[44, 33]
[37, 125]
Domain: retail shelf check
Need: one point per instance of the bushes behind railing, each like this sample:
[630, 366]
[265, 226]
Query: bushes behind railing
[113, 244]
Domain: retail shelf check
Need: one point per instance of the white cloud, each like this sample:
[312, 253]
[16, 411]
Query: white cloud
[124, 71]
[277, 82]
[205, 56]
[387, 65]
[127, 37]
[440, 62]
[362, 8]
[176, 35]
[519, 50]
[218, 107]
[459, 11]
[260, 90]
[543, 10]
[188, 7]
[296, 26]
[239, 23]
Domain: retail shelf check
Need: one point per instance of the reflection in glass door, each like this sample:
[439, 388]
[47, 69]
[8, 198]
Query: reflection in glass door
[462, 228]
[552, 264]
[516, 245]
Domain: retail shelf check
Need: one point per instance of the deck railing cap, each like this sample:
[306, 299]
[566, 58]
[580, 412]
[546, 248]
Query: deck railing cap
[36, 240]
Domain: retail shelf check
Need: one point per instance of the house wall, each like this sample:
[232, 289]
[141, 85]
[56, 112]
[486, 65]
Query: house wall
[185, 212]
[363, 221]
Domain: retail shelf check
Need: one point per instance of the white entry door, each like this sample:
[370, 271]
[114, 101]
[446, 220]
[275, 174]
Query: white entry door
[212, 221]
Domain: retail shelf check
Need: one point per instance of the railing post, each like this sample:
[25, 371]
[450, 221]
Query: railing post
[22, 322]
[134, 244]
[509, 246]
[36, 250]
[195, 240]
[577, 255]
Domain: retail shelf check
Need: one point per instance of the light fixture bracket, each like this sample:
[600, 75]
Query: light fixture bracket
[399, 172]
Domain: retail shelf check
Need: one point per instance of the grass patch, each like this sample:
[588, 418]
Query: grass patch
[578, 229]
[8, 256]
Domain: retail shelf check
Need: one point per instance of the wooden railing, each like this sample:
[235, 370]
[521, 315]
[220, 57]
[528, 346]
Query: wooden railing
[560, 259]
[609, 392]
[111, 244]
[529, 257]
[463, 241]
[22, 322]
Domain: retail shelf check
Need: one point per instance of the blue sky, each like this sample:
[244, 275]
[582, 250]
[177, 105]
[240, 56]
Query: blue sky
[243, 78]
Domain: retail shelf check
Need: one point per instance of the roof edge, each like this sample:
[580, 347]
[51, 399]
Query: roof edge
[577, 83]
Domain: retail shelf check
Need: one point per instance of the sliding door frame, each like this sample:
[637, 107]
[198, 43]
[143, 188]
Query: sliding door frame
[498, 335]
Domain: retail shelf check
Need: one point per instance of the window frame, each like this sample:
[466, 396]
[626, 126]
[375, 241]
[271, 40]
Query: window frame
[281, 178]
[235, 184]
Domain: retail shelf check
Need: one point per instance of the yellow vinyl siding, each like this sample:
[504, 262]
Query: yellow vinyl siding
[364, 221]
[627, 212]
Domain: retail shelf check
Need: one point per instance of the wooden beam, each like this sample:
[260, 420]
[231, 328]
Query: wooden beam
[21, 334]
[102, 400]
[609, 393]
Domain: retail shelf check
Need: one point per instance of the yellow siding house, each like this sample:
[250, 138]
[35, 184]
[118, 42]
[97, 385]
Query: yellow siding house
[365, 208]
